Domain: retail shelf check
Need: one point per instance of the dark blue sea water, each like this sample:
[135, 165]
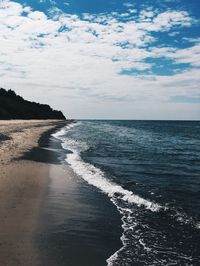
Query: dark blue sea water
[150, 170]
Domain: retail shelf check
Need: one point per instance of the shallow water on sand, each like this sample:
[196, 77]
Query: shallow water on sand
[78, 225]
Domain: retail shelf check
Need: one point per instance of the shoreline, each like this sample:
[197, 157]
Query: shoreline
[79, 224]
[50, 215]
[23, 184]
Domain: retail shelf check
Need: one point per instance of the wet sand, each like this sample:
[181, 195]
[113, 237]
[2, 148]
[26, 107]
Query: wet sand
[22, 187]
[48, 215]
[79, 225]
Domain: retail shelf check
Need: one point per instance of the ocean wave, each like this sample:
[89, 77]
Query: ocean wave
[60, 133]
[198, 225]
[96, 177]
[117, 194]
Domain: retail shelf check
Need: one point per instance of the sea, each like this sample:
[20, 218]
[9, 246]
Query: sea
[150, 172]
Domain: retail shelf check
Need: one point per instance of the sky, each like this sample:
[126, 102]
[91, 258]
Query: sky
[104, 59]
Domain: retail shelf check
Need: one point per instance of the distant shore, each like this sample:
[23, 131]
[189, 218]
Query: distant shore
[22, 186]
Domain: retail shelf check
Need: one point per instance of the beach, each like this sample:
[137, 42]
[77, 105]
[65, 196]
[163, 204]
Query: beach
[22, 187]
[49, 215]
[94, 193]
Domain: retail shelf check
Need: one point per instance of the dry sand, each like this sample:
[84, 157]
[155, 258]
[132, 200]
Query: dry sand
[22, 187]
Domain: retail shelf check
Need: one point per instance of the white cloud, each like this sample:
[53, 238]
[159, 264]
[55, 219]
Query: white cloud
[10, 9]
[189, 55]
[82, 63]
[166, 20]
[192, 40]
[36, 15]
[129, 4]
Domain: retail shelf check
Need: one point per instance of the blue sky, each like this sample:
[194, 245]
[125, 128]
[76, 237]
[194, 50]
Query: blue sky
[104, 59]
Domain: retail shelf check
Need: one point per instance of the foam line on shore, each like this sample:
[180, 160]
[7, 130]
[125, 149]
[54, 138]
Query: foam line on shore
[96, 177]
[117, 194]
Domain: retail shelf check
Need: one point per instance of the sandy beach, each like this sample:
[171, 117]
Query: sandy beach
[49, 215]
[22, 187]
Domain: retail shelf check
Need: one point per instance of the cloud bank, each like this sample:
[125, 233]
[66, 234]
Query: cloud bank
[93, 65]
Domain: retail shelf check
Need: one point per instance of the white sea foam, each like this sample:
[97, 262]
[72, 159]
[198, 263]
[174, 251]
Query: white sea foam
[62, 131]
[198, 225]
[94, 176]
[59, 133]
